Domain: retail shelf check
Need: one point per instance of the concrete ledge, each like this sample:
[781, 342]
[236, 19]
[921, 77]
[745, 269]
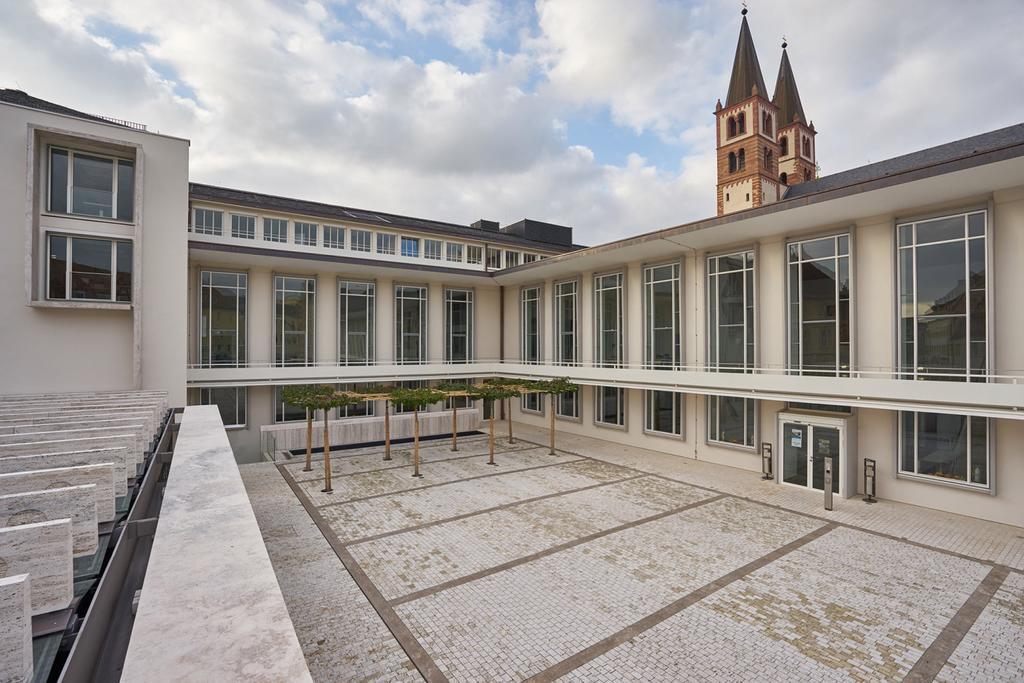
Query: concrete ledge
[211, 607]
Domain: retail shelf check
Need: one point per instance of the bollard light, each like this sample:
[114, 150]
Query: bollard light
[766, 461]
[869, 480]
[828, 482]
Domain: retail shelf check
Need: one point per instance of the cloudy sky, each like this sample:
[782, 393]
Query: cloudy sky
[591, 113]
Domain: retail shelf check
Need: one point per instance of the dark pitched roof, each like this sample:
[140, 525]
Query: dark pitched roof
[951, 151]
[787, 97]
[348, 215]
[23, 99]
[746, 70]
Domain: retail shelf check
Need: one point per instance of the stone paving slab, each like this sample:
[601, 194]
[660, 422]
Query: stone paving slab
[427, 557]
[514, 624]
[342, 637]
[389, 481]
[993, 650]
[847, 606]
[361, 519]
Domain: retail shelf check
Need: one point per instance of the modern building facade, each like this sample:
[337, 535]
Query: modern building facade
[868, 315]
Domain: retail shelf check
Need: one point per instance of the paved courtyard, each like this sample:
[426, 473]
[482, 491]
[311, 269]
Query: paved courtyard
[603, 564]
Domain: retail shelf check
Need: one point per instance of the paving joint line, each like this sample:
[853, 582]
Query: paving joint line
[630, 632]
[505, 506]
[504, 566]
[942, 648]
[808, 515]
[446, 483]
[412, 647]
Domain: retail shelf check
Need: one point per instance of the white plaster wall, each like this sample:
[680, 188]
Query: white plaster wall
[737, 196]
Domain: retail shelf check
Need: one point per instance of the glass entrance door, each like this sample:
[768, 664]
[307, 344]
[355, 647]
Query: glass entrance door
[804, 449]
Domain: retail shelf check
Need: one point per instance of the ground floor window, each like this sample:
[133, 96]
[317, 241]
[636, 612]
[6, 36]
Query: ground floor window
[229, 400]
[731, 420]
[459, 402]
[663, 412]
[361, 409]
[530, 403]
[568, 405]
[610, 406]
[947, 447]
[286, 412]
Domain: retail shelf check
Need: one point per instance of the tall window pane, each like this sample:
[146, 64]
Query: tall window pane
[610, 406]
[356, 304]
[530, 324]
[294, 316]
[208, 222]
[731, 420]
[58, 267]
[222, 309]
[229, 400]
[608, 320]
[731, 334]
[567, 405]
[125, 190]
[410, 247]
[123, 279]
[952, 448]
[275, 230]
[566, 307]
[458, 325]
[661, 317]
[410, 324]
[305, 234]
[286, 412]
[385, 243]
[93, 190]
[243, 227]
[334, 237]
[58, 181]
[91, 269]
[663, 412]
[819, 306]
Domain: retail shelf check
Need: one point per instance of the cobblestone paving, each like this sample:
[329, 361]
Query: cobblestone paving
[993, 650]
[341, 635]
[620, 567]
[847, 606]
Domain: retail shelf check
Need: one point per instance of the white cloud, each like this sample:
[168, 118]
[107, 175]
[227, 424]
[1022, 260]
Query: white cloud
[466, 24]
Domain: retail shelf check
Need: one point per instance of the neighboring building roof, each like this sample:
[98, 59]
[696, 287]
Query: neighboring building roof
[787, 97]
[344, 214]
[746, 70]
[23, 99]
[951, 151]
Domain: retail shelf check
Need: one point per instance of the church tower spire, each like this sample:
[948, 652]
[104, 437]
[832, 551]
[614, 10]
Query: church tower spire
[748, 151]
[797, 162]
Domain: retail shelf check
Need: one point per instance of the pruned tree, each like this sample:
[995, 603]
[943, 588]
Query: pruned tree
[378, 390]
[416, 400]
[511, 388]
[306, 396]
[553, 388]
[325, 398]
[489, 392]
[453, 390]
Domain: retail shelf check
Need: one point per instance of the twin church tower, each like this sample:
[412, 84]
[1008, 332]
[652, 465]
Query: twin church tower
[763, 145]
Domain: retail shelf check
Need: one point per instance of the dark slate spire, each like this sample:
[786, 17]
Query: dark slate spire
[786, 97]
[746, 70]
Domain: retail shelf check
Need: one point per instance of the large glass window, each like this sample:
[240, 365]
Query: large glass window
[661, 317]
[531, 403]
[610, 406]
[567, 405]
[243, 227]
[222, 318]
[474, 254]
[819, 306]
[410, 324]
[275, 230]
[230, 401]
[356, 303]
[529, 324]
[458, 325]
[608, 320]
[89, 269]
[360, 240]
[432, 249]
[385, 243]
[286, 412]
[453, 251]
[294, 320]
[493, 258]
[410, 247]
[91, 185]
[731, 420]
[731, 312]
[511, 259]
[947, 447]
[942, 276]
[663, 412]
[208, 222]
[566, 307]
[305, 234]
[334, 237]
[361, 409]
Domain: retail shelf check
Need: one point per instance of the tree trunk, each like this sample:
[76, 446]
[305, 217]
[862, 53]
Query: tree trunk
[416, 443]
[455, 426]
[309, 441]
[508, 416]
[387, 430]
[490, 440]
[327, 458]
[552, 410]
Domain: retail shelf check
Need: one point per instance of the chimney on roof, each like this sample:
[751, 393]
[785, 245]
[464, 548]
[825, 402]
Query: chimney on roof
[490, 226]
[540, 231]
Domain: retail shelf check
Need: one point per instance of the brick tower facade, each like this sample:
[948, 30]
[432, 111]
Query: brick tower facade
[797, 162]
[746, 130]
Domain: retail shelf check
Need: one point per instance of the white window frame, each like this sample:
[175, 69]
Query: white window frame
[237, 233]
[70, 237]
[493, 258]
[575, 415]
[677, 331]
[474, 254]
[305, 234]
[678, 408]
[334, 237]
[241, 331]
[750, 426]
[310, 332]
[987, 456]
[449, 335]
[204, 399]
[69, 190]
[749, 256]
[795, 303]
[453, 252]
[423, 332]
[433, 250]
[525, 399]
[531, 295]
[371, 321]
[356, 236]
[216, 230]
[412, 253]
[617, 289]
[275, 229]
[386, 243]
[574, 295]
[623, 397]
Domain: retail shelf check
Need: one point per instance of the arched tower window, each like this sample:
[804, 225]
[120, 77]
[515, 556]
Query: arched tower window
[741, 122]
[767, 158]
[731, 127]
[742, 159]
[807, 175]
[807, 147]
[732, 162]
[767, 123]
[783, 145]
[783, 178]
